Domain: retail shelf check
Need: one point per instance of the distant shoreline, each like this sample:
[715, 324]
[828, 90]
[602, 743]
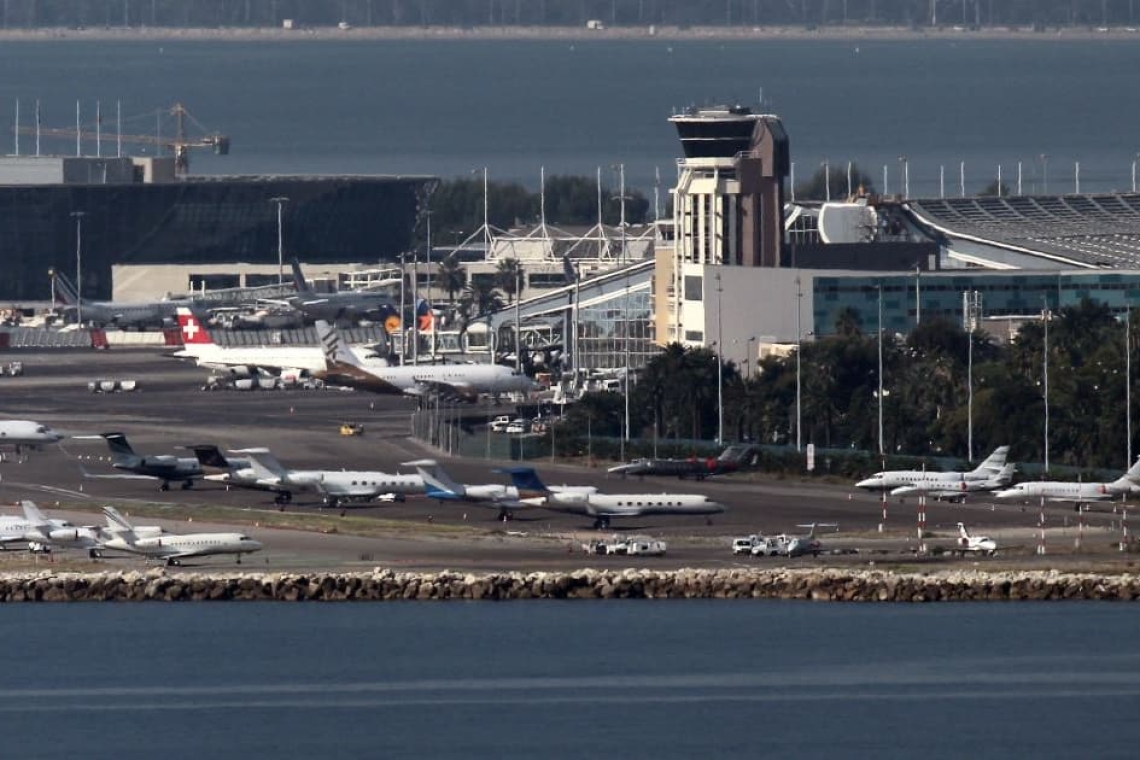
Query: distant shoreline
[381, 33]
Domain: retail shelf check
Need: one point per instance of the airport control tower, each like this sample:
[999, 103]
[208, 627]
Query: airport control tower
[729, 200]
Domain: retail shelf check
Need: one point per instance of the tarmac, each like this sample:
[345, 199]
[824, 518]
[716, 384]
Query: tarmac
[302, 428]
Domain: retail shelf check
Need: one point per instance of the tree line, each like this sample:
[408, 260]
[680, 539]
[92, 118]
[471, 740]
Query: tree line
[926, 408]
[498, 13]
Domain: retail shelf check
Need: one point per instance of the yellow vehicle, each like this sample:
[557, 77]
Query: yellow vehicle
[351, 428]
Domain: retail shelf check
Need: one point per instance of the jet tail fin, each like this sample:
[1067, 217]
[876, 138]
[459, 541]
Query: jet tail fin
[32, 513]
[525, 479]
[963, 532]
[264, 465]
[334, 348]
[64, 288]
[119, 446]
[299, 280]
[993, 463]
[193, 331]
[437, 483]
[209, 455]
[115, 521]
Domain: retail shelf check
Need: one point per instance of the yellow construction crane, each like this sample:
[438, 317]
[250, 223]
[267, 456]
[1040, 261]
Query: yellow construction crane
[179, 143]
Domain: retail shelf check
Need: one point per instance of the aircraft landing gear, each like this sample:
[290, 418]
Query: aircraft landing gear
[505, 515]
[186, 484]
[94, 554]
[601, 523]
[173, 562]
[165, 486]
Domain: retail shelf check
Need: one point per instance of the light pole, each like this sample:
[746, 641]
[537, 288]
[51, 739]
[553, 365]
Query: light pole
[905, 176]
[751, 355]
[1134, 158]
[971, 313]
[882, 447]
[1128, 381]
[719, 366]
[826, 180]
[280, 200]
[79, 265]
[799, 351]
[1045, 378]
[1045, 178]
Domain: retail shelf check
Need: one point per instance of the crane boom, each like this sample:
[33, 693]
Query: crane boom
[180, 144]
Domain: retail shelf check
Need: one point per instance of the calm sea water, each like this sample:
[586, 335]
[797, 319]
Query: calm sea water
[450, 107]
[535, 679]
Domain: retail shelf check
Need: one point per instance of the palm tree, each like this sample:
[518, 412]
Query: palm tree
[509, 278]
[452, 278]
[483, 297]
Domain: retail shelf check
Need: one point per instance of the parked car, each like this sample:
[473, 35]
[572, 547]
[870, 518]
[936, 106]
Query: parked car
[500, 424]
[519, 425]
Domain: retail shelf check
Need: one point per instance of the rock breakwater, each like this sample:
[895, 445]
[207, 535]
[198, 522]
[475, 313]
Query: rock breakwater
[390, 585]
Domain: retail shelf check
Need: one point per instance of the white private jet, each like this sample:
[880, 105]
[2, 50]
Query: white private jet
[903, 482]
[442, 487]
[41, 533]
[172, 547]
[798, 546]
[942, 490]
[459, 381]
[335, 486]
[968, 543]
[586, 500]
[251, 360]
[1075, 492]
[25, 434]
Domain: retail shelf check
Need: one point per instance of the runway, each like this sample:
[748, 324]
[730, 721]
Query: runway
[301, 427]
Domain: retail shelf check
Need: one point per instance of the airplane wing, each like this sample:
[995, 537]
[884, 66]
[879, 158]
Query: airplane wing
[448, 391]
[115, 476]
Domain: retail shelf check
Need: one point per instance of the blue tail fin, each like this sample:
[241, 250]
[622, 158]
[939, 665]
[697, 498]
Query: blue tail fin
[525, 479]
[64, 290]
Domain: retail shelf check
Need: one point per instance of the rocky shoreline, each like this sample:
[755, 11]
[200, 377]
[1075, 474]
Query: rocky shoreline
[389, 585]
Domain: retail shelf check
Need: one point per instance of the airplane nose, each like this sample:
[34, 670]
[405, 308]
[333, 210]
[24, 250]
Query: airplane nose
[869, 483]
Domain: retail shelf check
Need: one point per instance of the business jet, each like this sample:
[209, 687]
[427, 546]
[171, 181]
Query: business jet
[968, 543]
[1075, 492]
[41, 533]
[21, 435]
[798, 546]
[442, 487]
[892, 480]
[164, 467]
[336, 486]
[462, 382]
[949, 490]
[171, 547]
[252, 360]
[603, 507]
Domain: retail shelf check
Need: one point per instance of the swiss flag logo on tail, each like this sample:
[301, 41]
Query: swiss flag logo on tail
[193, 331]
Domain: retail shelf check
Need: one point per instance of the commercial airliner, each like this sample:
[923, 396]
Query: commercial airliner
[1075, 492]
[586, 500]
[921, 480]
[19, 435]
[171, 547]
[119, 313]
[251, 360]
[377, 305]
[460, 381]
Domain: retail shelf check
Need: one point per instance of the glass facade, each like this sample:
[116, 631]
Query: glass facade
[1003, 294]
[605, 329]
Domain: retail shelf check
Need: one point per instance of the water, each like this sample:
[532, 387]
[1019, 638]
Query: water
[547, 679]
[451, 108]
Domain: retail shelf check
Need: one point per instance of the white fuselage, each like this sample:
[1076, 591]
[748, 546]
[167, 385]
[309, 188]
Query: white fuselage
[919, 480]
[26, 433]
[54, 532]
[310, 359]
[583, 501]
[1065, 491]
[350, 484]
[173, 546]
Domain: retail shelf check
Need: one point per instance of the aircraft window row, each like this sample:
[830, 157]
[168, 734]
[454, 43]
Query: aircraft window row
[373, 483]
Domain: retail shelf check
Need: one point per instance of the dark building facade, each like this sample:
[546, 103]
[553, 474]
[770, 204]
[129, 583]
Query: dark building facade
[199, 221]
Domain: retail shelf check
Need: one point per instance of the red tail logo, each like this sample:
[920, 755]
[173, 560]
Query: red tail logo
[193, 331]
